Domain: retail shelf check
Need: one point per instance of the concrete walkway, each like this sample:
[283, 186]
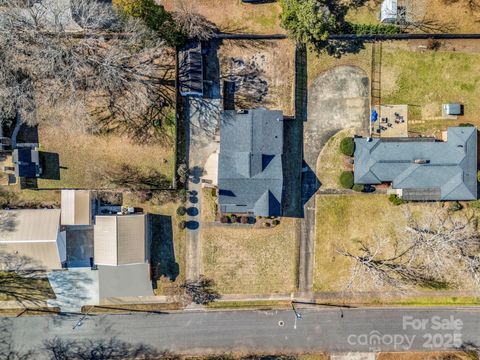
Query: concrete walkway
[203, 116]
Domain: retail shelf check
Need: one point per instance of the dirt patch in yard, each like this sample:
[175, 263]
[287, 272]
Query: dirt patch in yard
[246, 260]
[263, 73]
[83, 158]
[236, 16]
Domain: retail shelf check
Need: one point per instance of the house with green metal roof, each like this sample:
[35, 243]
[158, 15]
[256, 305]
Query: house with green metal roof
[421, 168]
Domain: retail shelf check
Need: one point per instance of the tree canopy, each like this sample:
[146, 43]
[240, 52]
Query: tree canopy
[309, 21]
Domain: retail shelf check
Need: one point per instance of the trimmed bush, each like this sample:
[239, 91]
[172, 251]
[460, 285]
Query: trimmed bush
[182, 224]
[214, 192]
[266, 224]
[478, 176]
[346, 179]
[224, 219]
[244, 220]
[276, 222]
[395, 200]
[181, 211]
[373, 29]
[347, 146]
[455, 206]
[358, 187]
[465, 125]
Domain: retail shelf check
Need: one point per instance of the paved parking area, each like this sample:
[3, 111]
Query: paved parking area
[74, 288]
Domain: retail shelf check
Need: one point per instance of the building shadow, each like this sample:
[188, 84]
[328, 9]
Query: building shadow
[163, 259]
[310, 183]
[50, 163]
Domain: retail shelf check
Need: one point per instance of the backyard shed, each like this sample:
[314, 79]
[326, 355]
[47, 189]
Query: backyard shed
[121, 239]
[76, 207]
[389, 11]
[190, 69]
[32, 238]
[452, 109]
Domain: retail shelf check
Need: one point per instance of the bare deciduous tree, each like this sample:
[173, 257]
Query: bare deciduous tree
[435, 250]
[190, 22]
[116, 74]
[200, 290]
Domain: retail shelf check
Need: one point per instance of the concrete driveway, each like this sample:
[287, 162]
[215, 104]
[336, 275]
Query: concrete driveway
[338, 99]
[74, 288]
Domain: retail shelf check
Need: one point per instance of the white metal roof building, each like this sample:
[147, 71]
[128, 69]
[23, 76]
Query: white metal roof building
[120, 239]
[32, 239]
[76, 207]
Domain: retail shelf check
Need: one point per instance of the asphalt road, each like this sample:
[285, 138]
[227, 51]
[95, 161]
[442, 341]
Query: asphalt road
[326, 329]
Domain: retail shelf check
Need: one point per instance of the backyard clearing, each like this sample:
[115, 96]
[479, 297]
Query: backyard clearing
[331, 162]
[263, 73]
[344, 221]
[246, 260]
[235, 15]
[427, 79]
[84, 159]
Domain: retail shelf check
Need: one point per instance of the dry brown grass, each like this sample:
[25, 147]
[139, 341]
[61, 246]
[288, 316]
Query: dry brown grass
[453, 355]
[83, 157]
[244, 260]
[331, 162]
[344, 220]
[236, 16]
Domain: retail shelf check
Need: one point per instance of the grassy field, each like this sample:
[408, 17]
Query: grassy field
[243, 260]
[331, 161]
[83, 158]
[453, 355]
[236, 16]
[426, 80]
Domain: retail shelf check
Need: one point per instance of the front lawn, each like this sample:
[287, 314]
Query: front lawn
[245, 260]
[35, 287]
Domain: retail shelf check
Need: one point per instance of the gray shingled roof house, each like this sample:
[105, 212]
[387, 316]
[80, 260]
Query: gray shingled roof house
[421, 168]
[250, 176]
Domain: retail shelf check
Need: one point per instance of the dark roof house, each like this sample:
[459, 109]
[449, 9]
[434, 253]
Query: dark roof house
[250, 175]
[421, 168]
[27, 162]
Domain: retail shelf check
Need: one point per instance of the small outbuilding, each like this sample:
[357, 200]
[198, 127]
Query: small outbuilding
[389, 11]
[452, 109]
[190, 69]
[76, 207]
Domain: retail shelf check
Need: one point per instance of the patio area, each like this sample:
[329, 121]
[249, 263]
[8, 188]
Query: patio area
[392, 121]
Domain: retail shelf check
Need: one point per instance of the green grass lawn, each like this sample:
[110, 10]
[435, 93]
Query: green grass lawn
[245, 260]
[426, 80]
